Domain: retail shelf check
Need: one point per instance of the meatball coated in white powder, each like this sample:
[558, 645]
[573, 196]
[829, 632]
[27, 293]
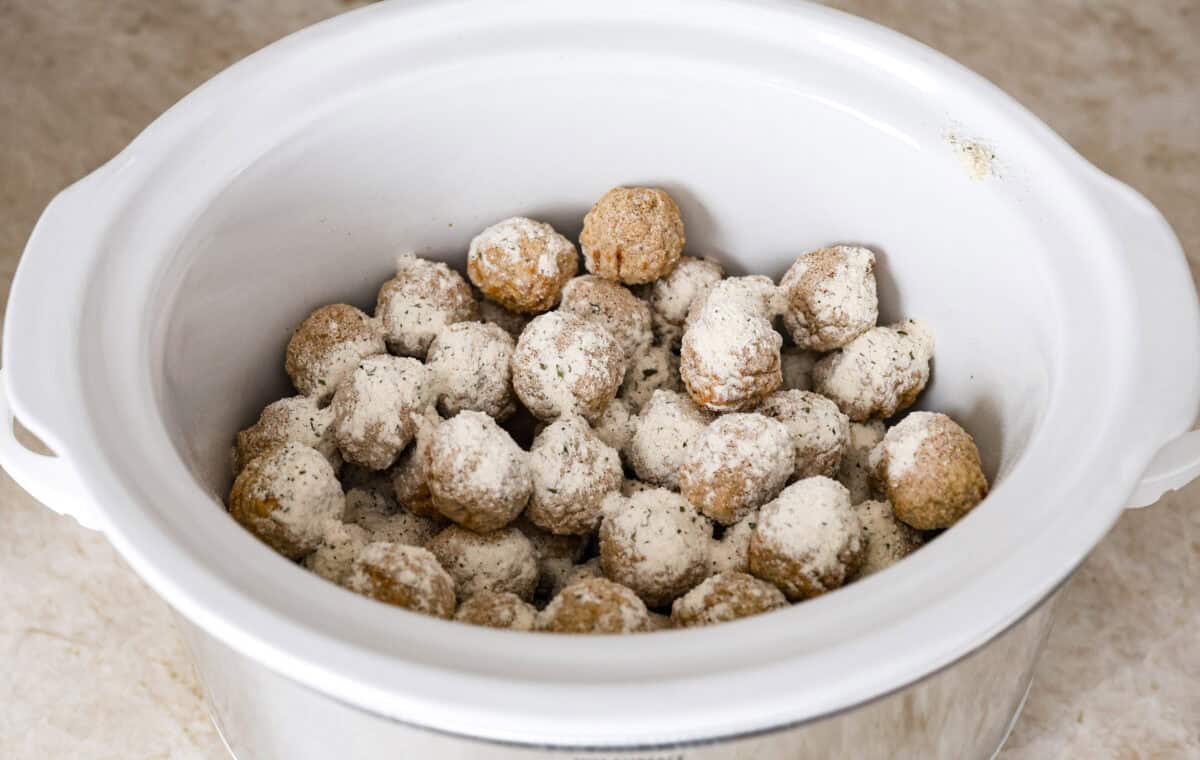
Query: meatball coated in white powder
[666, 428]
[497, 609]
[565, 364]
[616, 427]
[731, 553]
[725, 597]
[408, 476]
[500, 561]
[329, 343]
[594, 605]
[655, 543]
[830, 296]
[573, 470]
[613, 307]
[576, 573]
[339, 546]
[736, 465]
[797, 366]
[730, 356]
[808, 540]
[930, 469]
[494, 314]
[472, 362]
[879, 373]
[298, 419]
[819, 430]
[855, 472]
[404, 576]
[419, 301]
[888, 539]
[477, 475]
[377, 512]
[285, 497]
[556, 555]
[377, 407]
[656, 367]
[521, 264]
[673, 295]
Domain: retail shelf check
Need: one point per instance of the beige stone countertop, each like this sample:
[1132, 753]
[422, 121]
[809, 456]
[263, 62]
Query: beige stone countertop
[90, 663]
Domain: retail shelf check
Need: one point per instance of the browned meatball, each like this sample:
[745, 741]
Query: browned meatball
[408, 476]
[419, 301]
[298, 419]
[736, 465]
[632, 234]
[521, 264]
[594, 605]
[502, 560]
[406, 576]
[477, 475]
[328, 344]
[830, 297]
[565, 364]
[497, 609]
[724, 597]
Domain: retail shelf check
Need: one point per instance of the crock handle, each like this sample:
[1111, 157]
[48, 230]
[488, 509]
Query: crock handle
[1174, 466]
[49, 479]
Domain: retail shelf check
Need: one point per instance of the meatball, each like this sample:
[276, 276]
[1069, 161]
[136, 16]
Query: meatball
[384, 520]
[616, 427]
[855, 472]
[573, 470]
[329, 344]
[797, 366]
[666, 427]
[419, 301]
[613, 307]
[565, 364]
[819, 430]
[594, 605]
[339, 546]
[632, 234]
[377, 407]
[497, 609]
[830, 297]
[472, 362]
[556, 556]
[654, 368]
[879, 373]
[929, 467]
[296, 419]
[575, 573]
[406, 576]
[730, 356]
[521, 264]
[808, 540]
[673, 295]
[725, 597]
[285, 496]
[494, 314]
[477, 475]
[408, 475]
[502, 561]
[731, 553]
[736, 465]
[655, 543]
[888, 539]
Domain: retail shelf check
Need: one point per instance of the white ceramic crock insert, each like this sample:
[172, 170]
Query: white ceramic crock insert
[148, 318]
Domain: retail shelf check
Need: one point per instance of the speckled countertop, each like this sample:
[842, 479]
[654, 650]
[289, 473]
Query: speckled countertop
[90, 663]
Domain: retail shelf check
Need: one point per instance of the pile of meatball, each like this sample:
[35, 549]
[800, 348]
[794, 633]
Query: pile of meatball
[648, 445]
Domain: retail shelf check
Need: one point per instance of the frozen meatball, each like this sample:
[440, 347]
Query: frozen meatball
[613, 307]
[494, 314]
[666, 428]
[573, 470]
[477, 475]
[594, 605]
[673, 295]
[408, 476]
[472, 362]
[565, 364]
[377, 407]
[385, 520]
[556, 556]
[616, 427]
[497, 609]
[576, 573]
[819, 430]
[339, 545]
[406, 576]
[830, 297]
[855, 472]
[725, 597]
[329, 344]
[297, 419]
[797, 366]
[521, 264]
[888, 539]
[730, 356]
[731, 553]
[655, 543]
[419, 301]
[808, 540]
[656, 367]
[879, 373]
[632, 234]
[929, 468]
[285, 496]
[502, 560]
[736, 465]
